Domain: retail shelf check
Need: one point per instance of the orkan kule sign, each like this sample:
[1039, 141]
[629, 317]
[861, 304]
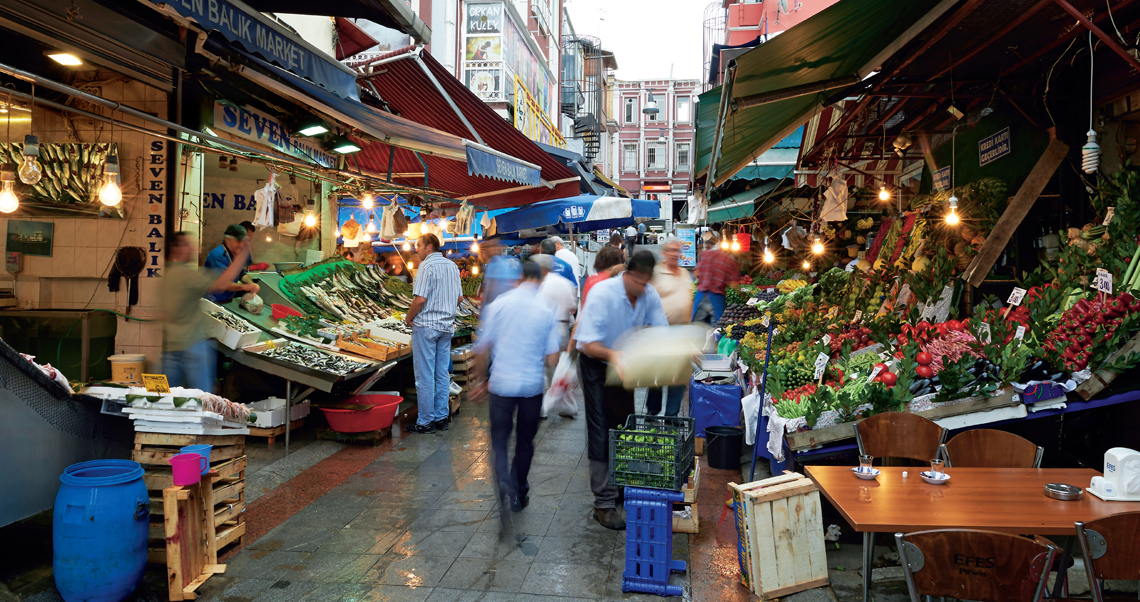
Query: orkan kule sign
[991, 148]
[484, 18]
[259, 127]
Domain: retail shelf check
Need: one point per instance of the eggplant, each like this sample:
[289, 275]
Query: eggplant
[919, 384]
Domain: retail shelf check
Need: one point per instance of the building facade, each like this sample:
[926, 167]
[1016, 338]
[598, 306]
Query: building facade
[653, 153]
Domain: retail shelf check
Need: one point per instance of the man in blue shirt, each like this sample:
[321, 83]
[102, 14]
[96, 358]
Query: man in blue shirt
[614, 308]
[519, 334]
[502, 272]
[641, 233]
[222, 256]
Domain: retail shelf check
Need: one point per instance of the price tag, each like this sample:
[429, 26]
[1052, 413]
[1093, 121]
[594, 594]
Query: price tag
[820, 363]
[1108, 216]
[753, 301]
[156, 383]
[1016, 296]
[861, 255]
[764, 319]
[1103, 281]
[986, 332]
[271, 344]
[832, 312]
[826, 340]
[875, 372]
[858, 315]
[1020, 333]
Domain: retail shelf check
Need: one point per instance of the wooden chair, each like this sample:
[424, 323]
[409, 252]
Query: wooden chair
[989, 448]
[1111, 549]
[894, 435]
[975, 565]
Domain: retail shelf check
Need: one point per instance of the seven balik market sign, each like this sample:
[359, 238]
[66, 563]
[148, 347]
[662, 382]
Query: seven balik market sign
[251, 124]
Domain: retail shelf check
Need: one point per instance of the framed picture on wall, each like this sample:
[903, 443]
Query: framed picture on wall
[30, 238]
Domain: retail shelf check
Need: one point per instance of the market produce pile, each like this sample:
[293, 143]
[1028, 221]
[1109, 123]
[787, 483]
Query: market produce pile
[895, 330]
[314, 358]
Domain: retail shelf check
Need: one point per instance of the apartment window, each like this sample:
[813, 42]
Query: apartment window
[684, 105]
[630, 110]
[682, 161]
[655, 160]
[629, 157]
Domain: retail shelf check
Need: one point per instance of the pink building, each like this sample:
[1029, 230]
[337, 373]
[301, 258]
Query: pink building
[654, 151]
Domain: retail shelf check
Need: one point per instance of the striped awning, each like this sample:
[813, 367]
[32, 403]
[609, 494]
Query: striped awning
[895, 171]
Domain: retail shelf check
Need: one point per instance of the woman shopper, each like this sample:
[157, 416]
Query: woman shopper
[675, 286]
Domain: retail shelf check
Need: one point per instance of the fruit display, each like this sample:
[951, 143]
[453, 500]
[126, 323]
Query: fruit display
[737, 313]
[787, 286]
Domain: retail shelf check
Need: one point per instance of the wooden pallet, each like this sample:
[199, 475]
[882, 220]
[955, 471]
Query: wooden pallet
[156, 449]
[692, 524]
[272, 433]
[372, 437]
[190, 538]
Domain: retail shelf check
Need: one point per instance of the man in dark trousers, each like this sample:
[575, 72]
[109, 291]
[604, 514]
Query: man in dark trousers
[518, 333]
[613, 309]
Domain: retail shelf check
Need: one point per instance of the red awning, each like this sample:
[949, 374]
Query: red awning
[405, 85]
[858, 173]
[351, 39]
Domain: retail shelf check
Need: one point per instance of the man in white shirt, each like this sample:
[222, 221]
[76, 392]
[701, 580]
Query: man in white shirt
[630, 240]
[559, 293]
[569, 257]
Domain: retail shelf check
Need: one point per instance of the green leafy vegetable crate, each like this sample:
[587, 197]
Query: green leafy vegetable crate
[652, 451]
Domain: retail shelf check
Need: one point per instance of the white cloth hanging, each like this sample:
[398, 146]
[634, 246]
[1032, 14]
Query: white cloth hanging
[388, 223]
[465, 220]
[266, 205]
[835, 199]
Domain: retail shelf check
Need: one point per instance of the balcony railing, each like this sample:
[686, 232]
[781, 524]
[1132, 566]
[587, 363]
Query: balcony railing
[491, 81]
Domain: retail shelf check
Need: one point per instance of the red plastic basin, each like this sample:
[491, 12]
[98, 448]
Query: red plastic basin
[380, 416]
[280, 311]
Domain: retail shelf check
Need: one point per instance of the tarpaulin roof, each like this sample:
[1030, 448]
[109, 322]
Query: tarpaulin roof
[849, 38]
[393, 14]
[868, 172]
[351, 39]
[587, 212]
[739, 205]
[406, 81]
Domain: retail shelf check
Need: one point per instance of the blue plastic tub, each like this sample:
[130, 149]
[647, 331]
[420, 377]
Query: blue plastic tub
[99, 535]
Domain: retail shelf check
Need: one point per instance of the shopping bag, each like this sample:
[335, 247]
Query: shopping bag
[559, 398]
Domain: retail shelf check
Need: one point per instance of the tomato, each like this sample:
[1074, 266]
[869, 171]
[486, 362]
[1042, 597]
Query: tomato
[955, 325]
[881, 367]
[923, 325]
[924, 371]
[925, 359]
[942, 329]
[888, 379]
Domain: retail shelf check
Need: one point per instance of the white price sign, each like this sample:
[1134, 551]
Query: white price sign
[831, 312]
[875, 372]
[986, 332]
[826, 340]
[820, 364]
[1103, 281]
[753, 301]
[1020, 334]
[1016, 296]
[1108, 216]
[764, 320]
[858, 315]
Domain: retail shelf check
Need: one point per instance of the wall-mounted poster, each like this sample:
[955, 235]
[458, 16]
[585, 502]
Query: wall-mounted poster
[30, 238]
[484, 18]
[484, 48]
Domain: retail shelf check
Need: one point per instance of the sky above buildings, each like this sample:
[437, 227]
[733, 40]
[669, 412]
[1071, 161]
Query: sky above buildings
[646, 36]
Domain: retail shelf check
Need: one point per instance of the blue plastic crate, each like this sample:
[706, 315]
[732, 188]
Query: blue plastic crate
[649, 542]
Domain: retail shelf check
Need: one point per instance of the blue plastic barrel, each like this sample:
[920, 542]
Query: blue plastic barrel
[101, 518]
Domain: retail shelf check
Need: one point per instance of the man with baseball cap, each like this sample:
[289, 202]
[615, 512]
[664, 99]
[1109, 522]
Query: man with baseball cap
[222, 256]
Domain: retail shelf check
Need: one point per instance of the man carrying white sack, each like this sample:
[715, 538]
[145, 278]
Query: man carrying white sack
[613, 309]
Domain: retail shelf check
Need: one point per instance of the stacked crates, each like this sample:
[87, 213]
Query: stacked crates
[649, 542]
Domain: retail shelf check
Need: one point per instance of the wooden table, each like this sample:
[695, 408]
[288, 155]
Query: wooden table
[1008, 500]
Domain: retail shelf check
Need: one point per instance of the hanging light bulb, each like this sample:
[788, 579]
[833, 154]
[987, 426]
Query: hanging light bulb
[9, 202]
[883, 194]
[336, 233]
[807, 265]
[110, 194]
[768, 257]
[268, 238]
[371, 227]
[411, 266]
[367, 202]
[817, 246]
[475, 270]
[952, 217]
[30, 170]
[735, 245]
[723, 244]
[475, 247]
[407, 246]
[1090, 154]
[310, 219]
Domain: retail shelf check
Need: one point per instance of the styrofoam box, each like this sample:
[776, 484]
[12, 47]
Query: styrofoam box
[378, 330]
[216, 329]
[271, 415]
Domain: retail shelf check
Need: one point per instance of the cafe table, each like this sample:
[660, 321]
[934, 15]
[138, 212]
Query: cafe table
[1007, 500]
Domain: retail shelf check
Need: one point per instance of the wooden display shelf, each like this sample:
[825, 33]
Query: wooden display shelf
[808, 439]
[1102, 378]
[372, 437]
[272, 433]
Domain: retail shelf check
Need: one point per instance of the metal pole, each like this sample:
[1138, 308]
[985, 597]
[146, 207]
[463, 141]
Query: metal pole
[763, 387]
[288, 413]
[85, 346]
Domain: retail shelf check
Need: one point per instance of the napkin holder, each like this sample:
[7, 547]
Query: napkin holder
[1121, 480]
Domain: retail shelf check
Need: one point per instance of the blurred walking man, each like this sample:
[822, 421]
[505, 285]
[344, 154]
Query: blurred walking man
[437, 291]
[518, 333]
[615, 307]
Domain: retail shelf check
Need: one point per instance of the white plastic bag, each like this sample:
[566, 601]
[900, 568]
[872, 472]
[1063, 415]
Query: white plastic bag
[252, 303]
[559, 398]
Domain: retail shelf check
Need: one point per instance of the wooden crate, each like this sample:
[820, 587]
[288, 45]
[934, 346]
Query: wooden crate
[692, 523]
[190, 539]
[156, 449]
[271, 434]
[372, 349]
[779, 525]
[1002, 398]
[453, 402]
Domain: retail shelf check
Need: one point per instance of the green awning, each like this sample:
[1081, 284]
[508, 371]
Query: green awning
[741, 204]
[764, 172]
[849, 38]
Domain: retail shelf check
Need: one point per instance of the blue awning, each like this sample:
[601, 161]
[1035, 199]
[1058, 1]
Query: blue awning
[497, 166]
[586, 212]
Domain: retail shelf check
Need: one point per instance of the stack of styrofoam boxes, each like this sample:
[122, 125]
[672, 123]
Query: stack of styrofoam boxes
[216, 329]
[271, 412]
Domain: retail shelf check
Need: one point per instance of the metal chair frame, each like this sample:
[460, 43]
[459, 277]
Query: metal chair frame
[910, 556]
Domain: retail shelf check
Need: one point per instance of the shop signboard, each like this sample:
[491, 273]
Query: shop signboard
[278, 47]
[531, 120]
[480, 163]
[993, 147]
[688, 237]
[496, 51]
[484, 19]
[942, 178]
[251, 124]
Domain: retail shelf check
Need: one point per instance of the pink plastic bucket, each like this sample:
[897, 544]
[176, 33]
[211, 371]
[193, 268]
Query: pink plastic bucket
[187, 468]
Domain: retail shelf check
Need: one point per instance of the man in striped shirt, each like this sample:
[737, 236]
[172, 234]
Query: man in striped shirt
[437, 291]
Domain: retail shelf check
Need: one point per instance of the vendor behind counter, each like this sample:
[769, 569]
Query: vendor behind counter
[222, 256]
